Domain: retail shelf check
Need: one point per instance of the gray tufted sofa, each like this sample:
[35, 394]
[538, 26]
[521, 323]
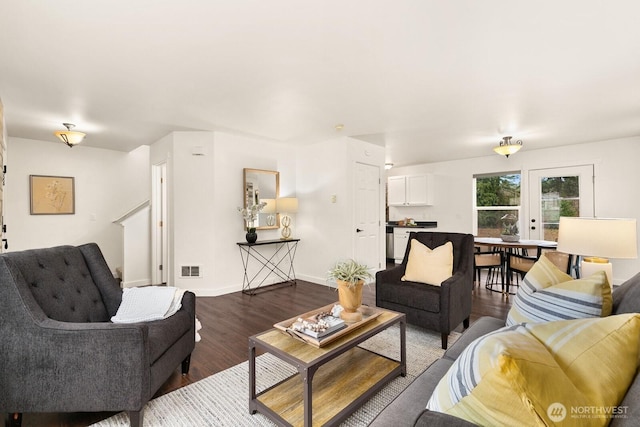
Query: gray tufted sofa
[61, 353]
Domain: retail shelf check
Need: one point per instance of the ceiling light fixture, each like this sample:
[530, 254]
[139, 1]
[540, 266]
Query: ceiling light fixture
[388, 166]
[508, 147]
[70, 137]
[339, 127]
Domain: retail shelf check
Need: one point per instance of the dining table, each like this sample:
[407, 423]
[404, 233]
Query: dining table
[522, 246]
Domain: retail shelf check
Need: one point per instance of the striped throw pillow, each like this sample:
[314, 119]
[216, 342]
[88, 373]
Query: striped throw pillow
[538, 373]
[547, 294]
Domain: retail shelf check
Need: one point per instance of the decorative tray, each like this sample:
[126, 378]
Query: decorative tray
[368, 314]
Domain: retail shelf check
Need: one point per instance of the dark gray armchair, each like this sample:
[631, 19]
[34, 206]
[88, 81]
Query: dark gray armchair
[61, 353]
[440, 308]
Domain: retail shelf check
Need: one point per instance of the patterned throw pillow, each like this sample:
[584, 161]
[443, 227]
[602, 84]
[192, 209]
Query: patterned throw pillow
[543, 374]
[547, 294]
[426, 265]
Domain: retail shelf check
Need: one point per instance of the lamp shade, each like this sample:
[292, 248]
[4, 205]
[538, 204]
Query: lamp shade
[287, 205]
[270, 207]
[600, 237]
[508, 147]
[70, 137]
[507, 150]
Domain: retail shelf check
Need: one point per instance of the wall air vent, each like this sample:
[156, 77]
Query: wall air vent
[190, 271]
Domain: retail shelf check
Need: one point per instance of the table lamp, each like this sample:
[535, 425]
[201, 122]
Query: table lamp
[284, 206]
[597, 240]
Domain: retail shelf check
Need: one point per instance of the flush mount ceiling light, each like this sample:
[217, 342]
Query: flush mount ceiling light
[508, 147]
[70, 137]
[339, 127]
[388, 166]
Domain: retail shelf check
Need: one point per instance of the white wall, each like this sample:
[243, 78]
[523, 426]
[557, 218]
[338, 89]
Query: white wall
[136, 238]
[204, 193]
[233, 153]
[107, 184]
[208, 189]
[616, 178]
[327, 229]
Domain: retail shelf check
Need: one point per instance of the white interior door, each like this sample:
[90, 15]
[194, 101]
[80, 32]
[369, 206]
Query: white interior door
[558, 192]
[367, 213]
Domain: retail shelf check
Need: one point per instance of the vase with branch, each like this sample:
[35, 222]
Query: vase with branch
[250, 215]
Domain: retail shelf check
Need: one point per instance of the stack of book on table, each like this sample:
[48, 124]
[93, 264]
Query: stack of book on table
[318, 326]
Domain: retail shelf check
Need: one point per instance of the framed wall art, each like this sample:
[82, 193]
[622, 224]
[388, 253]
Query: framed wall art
[52, 195]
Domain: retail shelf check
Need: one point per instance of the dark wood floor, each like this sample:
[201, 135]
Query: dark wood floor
[229, 320]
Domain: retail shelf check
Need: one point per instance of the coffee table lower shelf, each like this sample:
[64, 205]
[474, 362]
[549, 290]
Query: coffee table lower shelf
[339, 387]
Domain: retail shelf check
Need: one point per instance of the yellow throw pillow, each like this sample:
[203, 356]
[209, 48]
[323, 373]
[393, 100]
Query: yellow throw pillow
[547, 294]
[425, 265]
[504, 378]
[599, 355]
[569, 373]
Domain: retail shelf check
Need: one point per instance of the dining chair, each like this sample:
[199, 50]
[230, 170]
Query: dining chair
[521, 264]
[491, 260]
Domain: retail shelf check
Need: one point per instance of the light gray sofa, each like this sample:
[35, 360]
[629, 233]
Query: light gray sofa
[61, 353]
[408, 409]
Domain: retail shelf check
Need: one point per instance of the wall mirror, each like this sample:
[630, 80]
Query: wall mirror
[258, 186]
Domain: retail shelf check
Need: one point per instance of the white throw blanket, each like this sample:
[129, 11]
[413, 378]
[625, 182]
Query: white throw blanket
[148, 303]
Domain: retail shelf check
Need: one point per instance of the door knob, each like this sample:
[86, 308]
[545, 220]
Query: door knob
[533, 228]
[358, 230]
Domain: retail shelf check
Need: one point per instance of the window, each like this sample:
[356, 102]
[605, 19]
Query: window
[497, 195]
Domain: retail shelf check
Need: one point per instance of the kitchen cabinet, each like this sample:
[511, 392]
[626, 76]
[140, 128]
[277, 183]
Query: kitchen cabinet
[410, 190]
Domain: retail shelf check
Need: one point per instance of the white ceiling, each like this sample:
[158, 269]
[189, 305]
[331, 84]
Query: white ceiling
[430, 79]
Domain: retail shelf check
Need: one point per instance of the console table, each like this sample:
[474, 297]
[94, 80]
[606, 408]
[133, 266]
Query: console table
[281, 266]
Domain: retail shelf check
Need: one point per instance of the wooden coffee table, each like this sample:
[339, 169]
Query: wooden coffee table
[332, 380]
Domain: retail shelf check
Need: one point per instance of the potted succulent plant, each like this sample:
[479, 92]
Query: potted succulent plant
[350, 276]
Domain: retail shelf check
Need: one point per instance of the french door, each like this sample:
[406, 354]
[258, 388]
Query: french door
[558, 192]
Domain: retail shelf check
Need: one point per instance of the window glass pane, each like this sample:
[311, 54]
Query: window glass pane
[503, 190]
[560, 197]
[497, 196]
[564, 186]
[490, 223]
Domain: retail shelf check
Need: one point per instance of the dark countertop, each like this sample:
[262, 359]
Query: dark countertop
[419, 224]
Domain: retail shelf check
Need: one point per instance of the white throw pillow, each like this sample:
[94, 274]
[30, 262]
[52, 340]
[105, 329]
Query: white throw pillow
[431, 266]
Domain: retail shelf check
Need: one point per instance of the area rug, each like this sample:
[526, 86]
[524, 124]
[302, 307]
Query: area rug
[222, 399]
